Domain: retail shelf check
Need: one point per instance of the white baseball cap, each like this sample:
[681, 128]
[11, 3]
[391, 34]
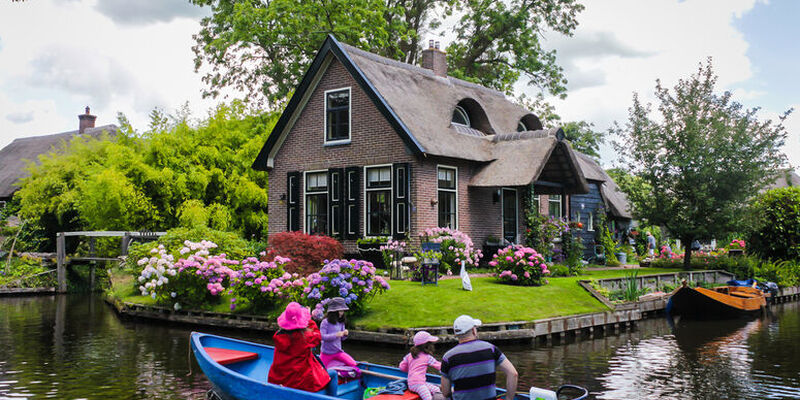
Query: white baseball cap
[464, 323]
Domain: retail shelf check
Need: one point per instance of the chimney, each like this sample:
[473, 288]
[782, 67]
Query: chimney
[86, 121]
[434, 59]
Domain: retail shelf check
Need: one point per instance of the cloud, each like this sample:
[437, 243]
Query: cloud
[143, 12]
[83, 72]
[20, 117]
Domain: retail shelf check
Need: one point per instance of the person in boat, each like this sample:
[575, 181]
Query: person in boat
[469, 369]
[416, 363]
[293, 364]
[333, 332]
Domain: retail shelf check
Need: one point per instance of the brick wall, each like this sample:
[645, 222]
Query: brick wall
[373, 141]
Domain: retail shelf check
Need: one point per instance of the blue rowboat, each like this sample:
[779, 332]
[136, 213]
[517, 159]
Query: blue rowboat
[238, 371]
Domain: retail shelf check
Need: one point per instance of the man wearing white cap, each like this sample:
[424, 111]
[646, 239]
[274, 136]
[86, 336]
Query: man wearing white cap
[469, 369]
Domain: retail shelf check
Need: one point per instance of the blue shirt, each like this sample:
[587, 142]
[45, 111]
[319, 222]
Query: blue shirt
[471, 368]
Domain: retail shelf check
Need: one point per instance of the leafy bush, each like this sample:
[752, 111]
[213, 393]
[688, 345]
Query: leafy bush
[307, 252]
[354, 280]
[520, 265]
[456, 246]
[21, 272]
[775, 231]
[784, 273]
[572, 246]
[193, 281]
[559, 270]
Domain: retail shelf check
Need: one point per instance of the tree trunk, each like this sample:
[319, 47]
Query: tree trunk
[687, 255]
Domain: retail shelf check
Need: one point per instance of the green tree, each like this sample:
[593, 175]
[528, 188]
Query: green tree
[775, 224]
[703, 155]
[263, 48]
[634, 187]
[584, 138]
[172, 175]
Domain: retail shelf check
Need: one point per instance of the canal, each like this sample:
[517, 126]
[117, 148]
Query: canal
[75, 347]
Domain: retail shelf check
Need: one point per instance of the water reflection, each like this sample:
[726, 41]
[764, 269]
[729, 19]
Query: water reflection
[76, 347]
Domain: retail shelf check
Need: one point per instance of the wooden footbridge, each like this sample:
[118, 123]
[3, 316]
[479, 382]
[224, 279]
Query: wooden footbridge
[62, 260]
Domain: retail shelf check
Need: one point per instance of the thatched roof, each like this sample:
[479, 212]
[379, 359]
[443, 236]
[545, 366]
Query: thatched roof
[419, 105]
[14, 157]
[785, 178]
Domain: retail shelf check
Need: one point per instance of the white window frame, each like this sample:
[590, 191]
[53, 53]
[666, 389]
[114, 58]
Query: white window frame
[305, 199]
[560, 205]
[590, 222]
[455, 178]
[325, 117]
[366, 200]
[465, 114]
[503, 211]
[538, 201]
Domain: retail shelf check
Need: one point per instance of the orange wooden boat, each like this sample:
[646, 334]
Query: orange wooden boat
[719, 302]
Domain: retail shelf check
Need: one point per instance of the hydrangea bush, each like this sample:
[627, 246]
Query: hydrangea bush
[736, 244]
[259, 285]
[456, 246]
[195, 280]
[354, 280]
[519, 265]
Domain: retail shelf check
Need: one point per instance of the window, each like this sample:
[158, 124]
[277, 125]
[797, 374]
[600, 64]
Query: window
[460, 116]
[590, 222]
[448, 197]
[379, 200]
[316, 202]
[536, 203]
[510, 215]
[337, 115]
[554, 202]
[521, 127]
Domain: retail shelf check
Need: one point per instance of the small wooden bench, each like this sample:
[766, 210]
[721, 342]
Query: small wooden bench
[227, 356]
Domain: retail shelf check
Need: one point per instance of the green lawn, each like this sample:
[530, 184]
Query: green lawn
[409, 304]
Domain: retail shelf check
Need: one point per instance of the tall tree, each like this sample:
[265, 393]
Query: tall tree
[703, 155]
[263, 47]
[584, 138]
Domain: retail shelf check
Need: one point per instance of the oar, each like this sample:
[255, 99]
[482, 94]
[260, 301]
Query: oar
[380, 375]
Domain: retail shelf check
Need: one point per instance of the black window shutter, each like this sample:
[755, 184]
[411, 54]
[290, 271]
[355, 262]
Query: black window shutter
[352, 203]
[402, 186]
[293, 186]
[336, 202]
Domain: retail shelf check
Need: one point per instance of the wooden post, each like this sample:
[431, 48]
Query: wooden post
[91, 264]
[61, 263]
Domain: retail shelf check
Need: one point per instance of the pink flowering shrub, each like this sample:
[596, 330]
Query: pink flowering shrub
[736, 244]
[667, 254]
[456, 246]
[259, 285]
[519, 265]
[354, 280]
[195, 280]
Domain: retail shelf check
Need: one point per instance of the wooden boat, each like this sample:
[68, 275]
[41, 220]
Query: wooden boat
[238, 371]
[719, 302]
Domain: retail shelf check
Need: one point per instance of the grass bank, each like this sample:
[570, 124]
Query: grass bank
[409, 304]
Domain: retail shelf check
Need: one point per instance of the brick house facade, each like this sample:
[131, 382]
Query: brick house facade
[370, 147]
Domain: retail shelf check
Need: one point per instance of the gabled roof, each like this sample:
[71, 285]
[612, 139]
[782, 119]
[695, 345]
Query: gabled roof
[417, 103]
[14, 156]
[614, 198]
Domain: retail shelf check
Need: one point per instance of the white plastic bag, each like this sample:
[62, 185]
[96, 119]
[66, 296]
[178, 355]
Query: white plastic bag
[465, 283]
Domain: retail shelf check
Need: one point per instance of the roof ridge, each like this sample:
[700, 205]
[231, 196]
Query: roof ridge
[416, 68]
[72, 132]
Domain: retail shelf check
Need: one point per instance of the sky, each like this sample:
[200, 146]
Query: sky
[58, 56]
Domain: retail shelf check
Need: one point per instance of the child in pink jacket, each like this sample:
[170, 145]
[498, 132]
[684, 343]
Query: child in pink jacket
[416, 363]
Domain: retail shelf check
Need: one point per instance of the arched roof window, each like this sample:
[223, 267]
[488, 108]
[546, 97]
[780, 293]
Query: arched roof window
[529, 122]
[460, 116]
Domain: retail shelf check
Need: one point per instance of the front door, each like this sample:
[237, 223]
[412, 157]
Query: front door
[510, 215]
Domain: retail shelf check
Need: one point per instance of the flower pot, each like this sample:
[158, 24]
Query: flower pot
[622, 257]
[735, 252]
[372, 252]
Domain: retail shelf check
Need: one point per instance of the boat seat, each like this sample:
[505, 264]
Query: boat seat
[339, 386]
[408, 395]
[228, 356]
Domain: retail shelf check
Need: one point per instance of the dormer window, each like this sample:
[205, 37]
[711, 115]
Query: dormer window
[521, 127]
[337, 116]
[529, 122]
[460, 116]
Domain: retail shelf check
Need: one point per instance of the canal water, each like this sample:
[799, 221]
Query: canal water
[75, 347]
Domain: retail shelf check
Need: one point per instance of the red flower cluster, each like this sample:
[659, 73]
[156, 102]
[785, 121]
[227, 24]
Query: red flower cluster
[307, 252]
